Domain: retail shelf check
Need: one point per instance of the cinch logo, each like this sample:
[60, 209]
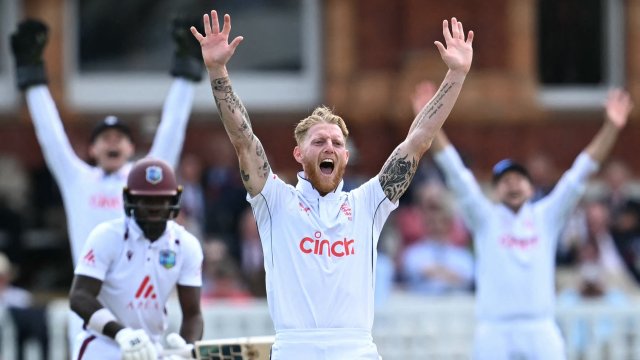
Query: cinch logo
[90, 258]
[145, 291]
[512, 242]
[102, 201]
[318, 246]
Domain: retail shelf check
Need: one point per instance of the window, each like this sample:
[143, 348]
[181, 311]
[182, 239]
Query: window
[580, 51]
[120, 55]
[8, 23]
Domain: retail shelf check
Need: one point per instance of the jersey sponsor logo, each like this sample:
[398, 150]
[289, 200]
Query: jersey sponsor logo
[153, 174]
[145, 297]
[89, 258]
[167, 258]
[319, 246]
[145, 290]
[510, 241]
[102, 201]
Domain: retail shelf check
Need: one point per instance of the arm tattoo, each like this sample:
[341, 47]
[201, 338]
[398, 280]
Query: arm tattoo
[397, 174]
[245, 179]
[223, 85]
[435, 104]
[265, 168]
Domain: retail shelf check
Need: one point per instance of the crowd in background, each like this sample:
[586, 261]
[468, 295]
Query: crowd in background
[425, 247]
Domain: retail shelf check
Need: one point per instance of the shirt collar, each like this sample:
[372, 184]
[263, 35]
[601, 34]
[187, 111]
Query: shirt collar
[307, 189]
[134, 232]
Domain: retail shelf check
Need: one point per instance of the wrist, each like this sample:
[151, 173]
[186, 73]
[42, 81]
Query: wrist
[99, 319]
[217, 71]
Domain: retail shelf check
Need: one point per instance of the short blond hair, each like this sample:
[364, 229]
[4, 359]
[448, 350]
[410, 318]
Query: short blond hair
[321, 115]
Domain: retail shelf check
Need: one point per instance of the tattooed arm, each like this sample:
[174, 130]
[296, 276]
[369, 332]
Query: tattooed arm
[399, 169]
[216, 52]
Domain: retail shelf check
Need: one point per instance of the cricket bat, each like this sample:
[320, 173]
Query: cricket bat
[242, 348]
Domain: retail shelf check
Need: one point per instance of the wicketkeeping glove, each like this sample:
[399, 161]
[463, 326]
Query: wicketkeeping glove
[187, 59]
[135, 345]
[27, 45]
[177, 345]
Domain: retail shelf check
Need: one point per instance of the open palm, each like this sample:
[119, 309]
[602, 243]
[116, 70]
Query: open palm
[618, 106]
[458, 52]
[216, 49]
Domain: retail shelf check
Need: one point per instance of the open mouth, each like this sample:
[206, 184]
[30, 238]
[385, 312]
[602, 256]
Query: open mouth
[113, 154]
[326, 166]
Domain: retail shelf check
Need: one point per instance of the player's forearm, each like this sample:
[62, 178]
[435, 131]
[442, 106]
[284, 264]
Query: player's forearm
[232, 112]
[254, 166]
[192, 328]
[169, 138]
[430, 119]
[601, 145]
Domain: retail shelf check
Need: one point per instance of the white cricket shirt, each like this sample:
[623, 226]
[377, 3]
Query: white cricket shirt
[138, 275]
[89, 195]
[320, 252]
[515, 252]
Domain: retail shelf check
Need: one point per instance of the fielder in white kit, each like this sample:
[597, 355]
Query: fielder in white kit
[129, 268]
[93, 194]
[320, 242]
[515, 241]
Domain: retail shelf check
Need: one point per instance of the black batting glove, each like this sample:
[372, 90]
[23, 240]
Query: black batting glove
[187, 59]
[27, 45]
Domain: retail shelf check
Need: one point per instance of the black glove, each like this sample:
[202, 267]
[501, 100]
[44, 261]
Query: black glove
[27, 45]
[187, 59]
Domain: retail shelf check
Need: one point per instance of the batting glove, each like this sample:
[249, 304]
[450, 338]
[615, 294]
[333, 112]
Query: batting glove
[178, 347]
[135, 345]
[27, 45]
[187, 59]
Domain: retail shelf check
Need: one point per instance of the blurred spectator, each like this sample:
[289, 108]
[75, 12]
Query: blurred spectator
[29, 321]
[13, 204]
[222, 279]
[617, 185]
[435, 265]
[595, 230]
[191, 215]
[592, 286]
[625, 230]
[251, 257]
[543, 172]
[224, 193]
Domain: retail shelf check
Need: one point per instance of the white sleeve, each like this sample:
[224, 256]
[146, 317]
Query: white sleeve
[375, 202]
[56, 149]
[473, 203]
[560, 203]
[169, 138]
[99, 252]
[191, 272]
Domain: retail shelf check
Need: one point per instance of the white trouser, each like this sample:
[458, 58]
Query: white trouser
[89, 346]
[324, 344]
[526, 339]
[74, 328]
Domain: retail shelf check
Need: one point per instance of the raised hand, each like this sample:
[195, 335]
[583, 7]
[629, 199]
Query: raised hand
[458, 52]
[215, 46]
[618, 107]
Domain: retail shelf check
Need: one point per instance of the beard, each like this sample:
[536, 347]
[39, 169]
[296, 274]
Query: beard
[321, 182]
